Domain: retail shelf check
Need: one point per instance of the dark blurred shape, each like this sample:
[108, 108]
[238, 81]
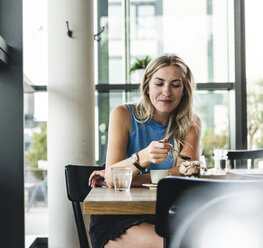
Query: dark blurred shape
[194, 212]
[232, 220]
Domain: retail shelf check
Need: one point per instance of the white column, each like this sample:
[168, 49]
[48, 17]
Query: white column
[71, 108]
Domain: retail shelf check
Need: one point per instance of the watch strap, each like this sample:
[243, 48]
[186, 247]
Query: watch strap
[138, 166]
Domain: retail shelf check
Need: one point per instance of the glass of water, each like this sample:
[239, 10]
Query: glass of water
[122, 178]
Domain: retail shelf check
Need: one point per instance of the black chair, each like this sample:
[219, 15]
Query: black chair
[241, 157]
[179, 197]
[77, 179]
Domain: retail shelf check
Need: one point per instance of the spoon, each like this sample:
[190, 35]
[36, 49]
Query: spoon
[184, 157]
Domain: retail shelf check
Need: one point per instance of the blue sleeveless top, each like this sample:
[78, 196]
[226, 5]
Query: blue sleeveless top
[142, 134]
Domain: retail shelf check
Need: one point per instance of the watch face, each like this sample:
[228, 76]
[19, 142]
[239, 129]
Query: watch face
[134, 158]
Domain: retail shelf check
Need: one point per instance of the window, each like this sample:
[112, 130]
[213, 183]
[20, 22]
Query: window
[254, 54]
[200, 32]
[35, 116]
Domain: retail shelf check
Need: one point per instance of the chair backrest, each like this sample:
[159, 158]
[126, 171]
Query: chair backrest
[243, 155]
[77, 179]
[77, 184]
[179, 196]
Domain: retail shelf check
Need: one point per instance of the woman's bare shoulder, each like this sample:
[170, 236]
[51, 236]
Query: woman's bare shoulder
[120, 117]
[121, 111]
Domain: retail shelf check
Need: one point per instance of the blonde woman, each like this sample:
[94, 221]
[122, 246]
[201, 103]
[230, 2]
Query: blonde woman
[141, 135]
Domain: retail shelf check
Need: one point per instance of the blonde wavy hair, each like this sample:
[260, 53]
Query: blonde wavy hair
[183, 117]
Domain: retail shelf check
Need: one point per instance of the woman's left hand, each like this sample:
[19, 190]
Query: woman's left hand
[97, 178]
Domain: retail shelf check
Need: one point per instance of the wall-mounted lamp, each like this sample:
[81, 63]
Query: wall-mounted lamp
[3, 52]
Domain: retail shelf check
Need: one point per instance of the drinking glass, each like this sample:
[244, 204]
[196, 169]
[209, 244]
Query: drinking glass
[122, 177]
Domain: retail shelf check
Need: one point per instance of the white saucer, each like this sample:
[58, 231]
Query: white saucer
[150, 185]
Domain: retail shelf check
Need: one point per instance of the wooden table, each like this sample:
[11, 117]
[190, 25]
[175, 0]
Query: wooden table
[142, 200]
[106, 201]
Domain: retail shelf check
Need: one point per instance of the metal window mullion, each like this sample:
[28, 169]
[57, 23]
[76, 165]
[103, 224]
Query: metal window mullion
[135, 87]
[238, 110]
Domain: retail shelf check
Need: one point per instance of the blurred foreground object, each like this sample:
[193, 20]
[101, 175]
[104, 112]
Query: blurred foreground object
[209, 213]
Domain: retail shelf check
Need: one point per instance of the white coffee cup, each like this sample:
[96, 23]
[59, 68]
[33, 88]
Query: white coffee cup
[157, 175]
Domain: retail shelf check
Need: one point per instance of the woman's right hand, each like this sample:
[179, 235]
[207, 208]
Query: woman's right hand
[97, 178]
[156, 152]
